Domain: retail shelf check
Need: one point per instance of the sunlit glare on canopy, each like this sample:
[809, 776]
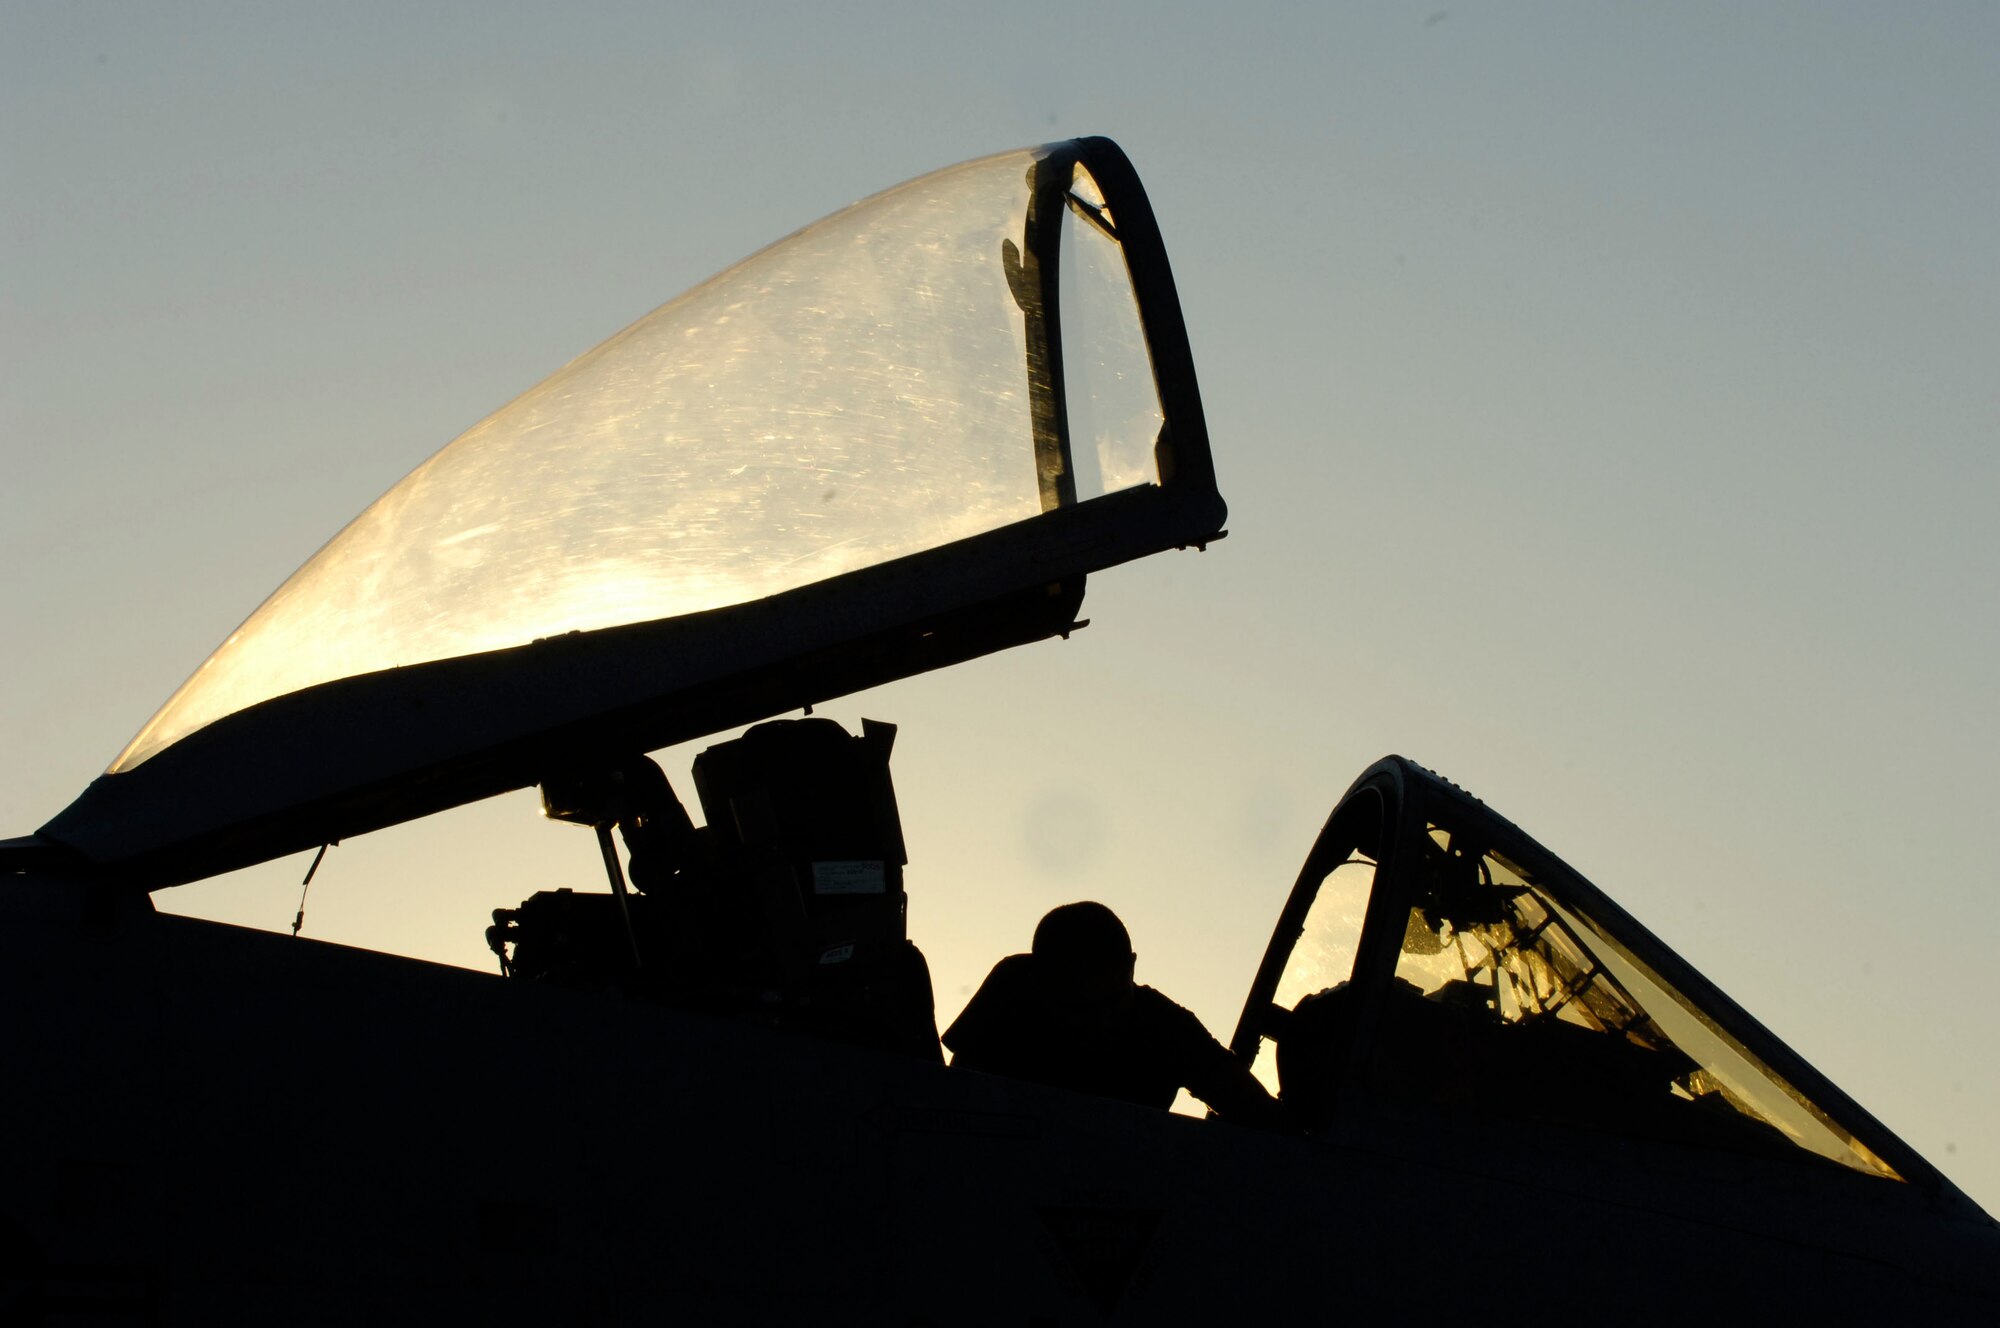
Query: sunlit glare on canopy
[854, 393]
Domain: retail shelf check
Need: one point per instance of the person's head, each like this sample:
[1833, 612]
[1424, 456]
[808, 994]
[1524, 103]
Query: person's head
[1083, 951]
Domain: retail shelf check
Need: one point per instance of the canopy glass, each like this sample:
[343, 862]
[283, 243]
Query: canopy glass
[881, 383]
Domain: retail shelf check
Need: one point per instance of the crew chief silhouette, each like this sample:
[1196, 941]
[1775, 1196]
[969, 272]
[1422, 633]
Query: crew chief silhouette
[1068, 1014]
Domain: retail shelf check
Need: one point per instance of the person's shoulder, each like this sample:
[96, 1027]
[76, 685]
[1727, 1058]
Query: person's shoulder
[1154, 998]
[1164, 1012]
[1012, 970]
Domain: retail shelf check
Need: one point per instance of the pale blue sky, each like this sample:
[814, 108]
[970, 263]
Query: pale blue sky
[1607, 398]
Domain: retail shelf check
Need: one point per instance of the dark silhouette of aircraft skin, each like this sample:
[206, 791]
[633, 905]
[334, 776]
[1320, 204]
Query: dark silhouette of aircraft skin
[1503, 1093]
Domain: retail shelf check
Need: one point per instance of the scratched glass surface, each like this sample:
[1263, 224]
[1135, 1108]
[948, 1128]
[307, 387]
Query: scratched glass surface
[852, 394]
[1114, 405]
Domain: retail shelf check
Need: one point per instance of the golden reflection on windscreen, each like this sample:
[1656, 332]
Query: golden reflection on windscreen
[847, 396]
[1726, 1066]
[1503, 943]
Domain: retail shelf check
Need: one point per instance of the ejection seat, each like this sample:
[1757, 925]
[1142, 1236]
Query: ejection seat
[786, 908]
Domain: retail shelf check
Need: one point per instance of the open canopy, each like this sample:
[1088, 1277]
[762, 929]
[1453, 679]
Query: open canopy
[896, 439]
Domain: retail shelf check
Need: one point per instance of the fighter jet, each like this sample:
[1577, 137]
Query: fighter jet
[711, 1092]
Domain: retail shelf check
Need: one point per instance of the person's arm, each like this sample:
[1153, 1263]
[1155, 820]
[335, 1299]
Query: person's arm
[1224, 1083]
[1234, 1094]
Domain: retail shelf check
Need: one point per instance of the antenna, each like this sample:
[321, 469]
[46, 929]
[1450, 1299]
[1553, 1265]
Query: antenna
[300, 919]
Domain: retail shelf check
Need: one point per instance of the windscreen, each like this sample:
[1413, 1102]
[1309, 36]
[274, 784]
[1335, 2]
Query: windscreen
[1511, 999]
[876, 385]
